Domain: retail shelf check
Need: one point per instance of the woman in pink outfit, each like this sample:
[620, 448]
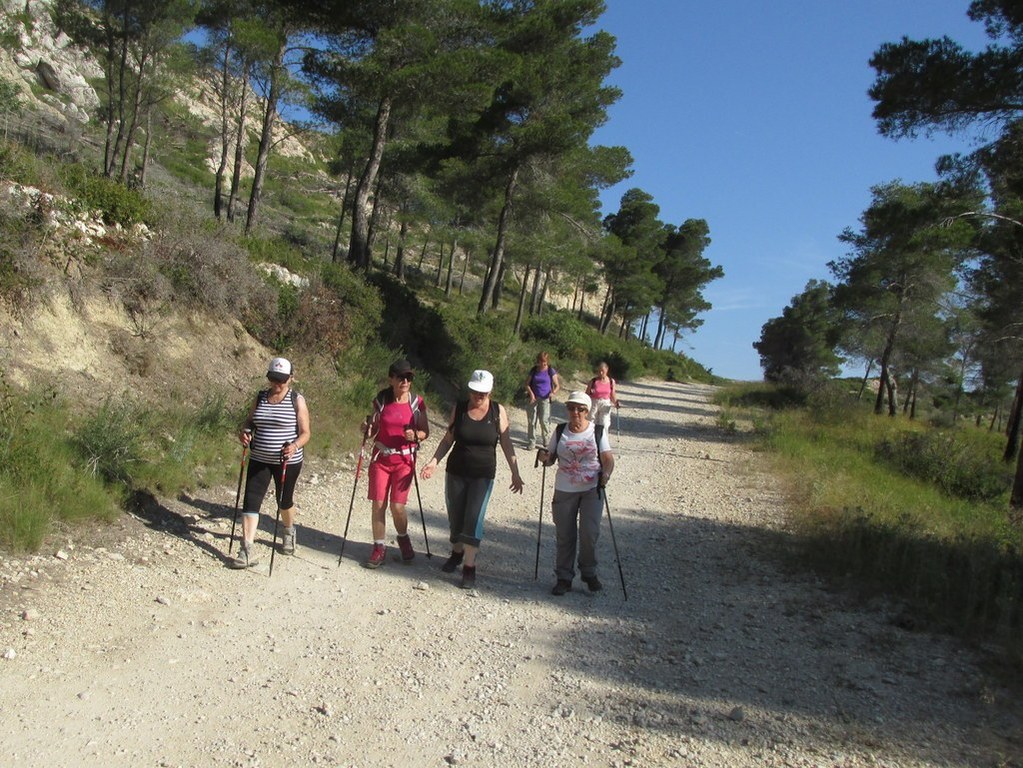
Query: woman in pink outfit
[603, 393]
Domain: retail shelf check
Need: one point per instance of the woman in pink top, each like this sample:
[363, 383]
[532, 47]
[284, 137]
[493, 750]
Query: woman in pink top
[601, 390]
[398, 424]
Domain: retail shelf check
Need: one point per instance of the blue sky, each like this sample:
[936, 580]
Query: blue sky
[754, 116]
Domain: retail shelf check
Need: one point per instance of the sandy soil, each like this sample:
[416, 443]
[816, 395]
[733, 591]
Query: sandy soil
[139, 647]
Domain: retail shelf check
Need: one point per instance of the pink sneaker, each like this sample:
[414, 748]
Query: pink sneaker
[377, 556]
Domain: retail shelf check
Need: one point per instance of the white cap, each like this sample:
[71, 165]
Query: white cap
[279, 369]
[481, 381]
[580, 398]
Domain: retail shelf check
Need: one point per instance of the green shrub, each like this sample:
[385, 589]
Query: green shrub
[276, 250]
[116, 203]
[958, 466]
[562, 335]
[110, 442]
[43, 480]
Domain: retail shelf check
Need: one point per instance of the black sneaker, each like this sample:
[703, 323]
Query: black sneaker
[468, 577]
[563, 586]
[593, 583]
[452, 563]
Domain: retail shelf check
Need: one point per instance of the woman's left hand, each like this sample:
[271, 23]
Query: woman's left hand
[516, 483]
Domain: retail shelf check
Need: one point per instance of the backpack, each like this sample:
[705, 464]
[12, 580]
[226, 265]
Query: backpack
[386, 397]
[264, 394]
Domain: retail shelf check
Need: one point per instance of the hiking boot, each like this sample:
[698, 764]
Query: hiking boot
[288, 541]
[468, 577]
[245, 559]
[563, 586]
[593, 583]
[405, 545]
[454, 560]
[377, 556]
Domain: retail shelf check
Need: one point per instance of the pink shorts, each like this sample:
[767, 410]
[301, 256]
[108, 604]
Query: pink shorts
[390, 476]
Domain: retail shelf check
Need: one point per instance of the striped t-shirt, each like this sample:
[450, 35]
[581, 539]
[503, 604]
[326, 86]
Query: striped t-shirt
[274, 425]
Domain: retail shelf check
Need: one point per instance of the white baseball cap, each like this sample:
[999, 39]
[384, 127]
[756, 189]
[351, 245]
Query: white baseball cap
[580, 398]
[279, 369]
[481, 381]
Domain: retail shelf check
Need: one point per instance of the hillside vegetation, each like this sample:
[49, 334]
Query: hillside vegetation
[141, 322]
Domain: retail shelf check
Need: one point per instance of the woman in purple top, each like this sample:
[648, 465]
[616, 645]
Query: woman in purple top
[541, 385]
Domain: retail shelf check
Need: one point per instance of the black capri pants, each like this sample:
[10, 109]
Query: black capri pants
[258, 481]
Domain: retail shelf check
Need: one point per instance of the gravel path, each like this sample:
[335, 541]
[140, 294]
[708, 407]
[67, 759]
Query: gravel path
[149, 652]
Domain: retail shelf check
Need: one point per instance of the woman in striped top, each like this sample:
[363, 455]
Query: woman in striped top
[275, 431]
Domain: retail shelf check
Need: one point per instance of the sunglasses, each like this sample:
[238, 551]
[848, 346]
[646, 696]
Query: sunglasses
[577, 408]
[404, 376]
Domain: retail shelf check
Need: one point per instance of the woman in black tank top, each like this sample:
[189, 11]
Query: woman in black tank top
[476, 427]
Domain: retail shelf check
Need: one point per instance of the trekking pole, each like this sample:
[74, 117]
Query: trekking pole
[351, 504]
[280, 498]
[618, 420]
[539, 523]
[415, 479]
[238, 493]
[614, 541]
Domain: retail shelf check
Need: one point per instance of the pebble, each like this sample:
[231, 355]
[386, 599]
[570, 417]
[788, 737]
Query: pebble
[30, 615]
[10, 653]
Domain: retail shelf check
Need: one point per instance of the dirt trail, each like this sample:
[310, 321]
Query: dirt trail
[150, 652]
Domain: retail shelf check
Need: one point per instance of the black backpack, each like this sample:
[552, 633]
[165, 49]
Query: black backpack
[598, 432]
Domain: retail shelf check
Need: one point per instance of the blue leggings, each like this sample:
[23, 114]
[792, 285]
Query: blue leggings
[467, 499]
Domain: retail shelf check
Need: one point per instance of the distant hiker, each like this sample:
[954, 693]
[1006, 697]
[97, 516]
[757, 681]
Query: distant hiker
[541, 386]
[275, 431]
[604, 391]
[585, 464]
[476, 426]
[399, 424]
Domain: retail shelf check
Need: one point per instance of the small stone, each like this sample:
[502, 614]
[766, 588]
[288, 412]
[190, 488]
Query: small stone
[10, 653]
[737, 715]
[162, 600]
[325, 710]
[422, 586]
[30, 615]
[60, 554]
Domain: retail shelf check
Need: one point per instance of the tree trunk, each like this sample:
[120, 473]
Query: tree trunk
[239, 145]
[497, 258]
[374, 219]
[422, 252]
[451, 268]
[1012, 431]
[1016, 498]
[265, 139]
[866, 378]
[358, 247]
[523, 290]
[133, 126]
[225, 133]
[146, 147]
[335, 254]
[465, 267]
[534, 293]
[440, 266]
[399, 256]
[122, 78]
[495, 302]
[543, 291]
[886, 357]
